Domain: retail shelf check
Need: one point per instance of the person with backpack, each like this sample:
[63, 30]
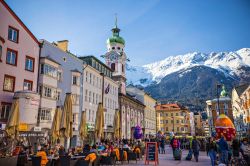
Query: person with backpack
[211, 150]
[196, 148]
[175, 144]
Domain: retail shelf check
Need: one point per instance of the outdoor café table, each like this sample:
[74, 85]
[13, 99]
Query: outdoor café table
[77, 157]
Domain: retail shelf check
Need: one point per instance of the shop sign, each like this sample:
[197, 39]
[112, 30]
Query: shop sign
[23, 127]
[37, 128]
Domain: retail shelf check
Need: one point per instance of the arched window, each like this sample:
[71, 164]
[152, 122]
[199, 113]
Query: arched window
[113, 66]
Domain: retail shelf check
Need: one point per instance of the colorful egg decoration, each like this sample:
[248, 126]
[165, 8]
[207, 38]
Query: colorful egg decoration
[224, 127]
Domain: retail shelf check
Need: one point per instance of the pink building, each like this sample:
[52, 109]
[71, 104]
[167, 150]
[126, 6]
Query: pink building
[19, 59]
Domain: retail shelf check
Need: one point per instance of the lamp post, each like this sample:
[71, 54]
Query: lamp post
[218, 86]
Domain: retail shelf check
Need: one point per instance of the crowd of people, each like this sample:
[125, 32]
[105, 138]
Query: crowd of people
[219, 151]
[103, 148]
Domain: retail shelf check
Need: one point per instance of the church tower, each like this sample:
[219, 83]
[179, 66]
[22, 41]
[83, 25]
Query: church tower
[116, 58]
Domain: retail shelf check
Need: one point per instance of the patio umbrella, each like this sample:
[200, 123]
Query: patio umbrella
[12, 126]
[99, 121]
[117, 124]
[83, 127]
[67, 117]
[56, 124]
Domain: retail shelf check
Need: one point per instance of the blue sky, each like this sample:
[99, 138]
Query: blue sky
[152, 29]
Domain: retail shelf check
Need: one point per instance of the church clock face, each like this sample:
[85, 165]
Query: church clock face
[113, 57]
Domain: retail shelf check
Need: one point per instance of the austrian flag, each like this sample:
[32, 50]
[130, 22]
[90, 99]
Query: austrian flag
[107, 89]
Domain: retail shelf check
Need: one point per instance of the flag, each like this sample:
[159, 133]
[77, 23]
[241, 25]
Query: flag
[107, 89]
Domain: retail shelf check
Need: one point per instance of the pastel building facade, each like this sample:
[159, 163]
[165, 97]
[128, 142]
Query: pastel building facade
[149, 121]
[60, 73]
[19, 59]
[94, 73]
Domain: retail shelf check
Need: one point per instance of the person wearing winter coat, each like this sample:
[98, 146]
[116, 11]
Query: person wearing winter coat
[196, 148]
[223, 147]
[212, 150]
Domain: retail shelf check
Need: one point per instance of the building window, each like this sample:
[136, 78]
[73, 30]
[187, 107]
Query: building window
[45, 114]
[90, 78]
[166, 121]
[161, 121]
[59, 75]
[49, 70]
[86, 95]
[9, 83]
[176, 114]
[177, 121]
[27, 85]
[11, 57]
[5, 111]
[86, 76]
[89, 96]
[47, 92]
[29, 63]
[113, 66]
[75, 80]
[1, 52]
[13, 34]
[96, 99]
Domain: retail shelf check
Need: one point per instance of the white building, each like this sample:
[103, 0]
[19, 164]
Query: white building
[60, 73]
[93, 74]
[149, 110]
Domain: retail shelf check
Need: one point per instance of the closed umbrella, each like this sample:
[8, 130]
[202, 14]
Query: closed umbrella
[12, 126]
[83, 127]
[99, 121]
[67, 117]
[56, 124]
[117, 124]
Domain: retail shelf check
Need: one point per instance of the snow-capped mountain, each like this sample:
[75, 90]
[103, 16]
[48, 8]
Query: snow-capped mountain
[232, 64]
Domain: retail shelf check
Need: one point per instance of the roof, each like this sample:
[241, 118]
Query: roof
[93, 57]
[75, 70]
[19, 21]
[170, 106]
[132, 98]
[240, 89]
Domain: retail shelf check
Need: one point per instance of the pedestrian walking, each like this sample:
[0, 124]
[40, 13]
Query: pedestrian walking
[223, 147]
[162, 145]
[196, 148]
[212, 150]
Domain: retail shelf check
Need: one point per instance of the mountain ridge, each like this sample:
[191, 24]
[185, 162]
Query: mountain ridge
[192, 77]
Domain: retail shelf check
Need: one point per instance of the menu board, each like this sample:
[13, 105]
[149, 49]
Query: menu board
[151, 153]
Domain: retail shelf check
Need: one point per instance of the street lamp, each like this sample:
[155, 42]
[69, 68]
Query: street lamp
[218, 86]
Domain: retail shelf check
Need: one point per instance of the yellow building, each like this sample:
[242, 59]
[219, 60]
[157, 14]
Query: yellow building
[173, 118]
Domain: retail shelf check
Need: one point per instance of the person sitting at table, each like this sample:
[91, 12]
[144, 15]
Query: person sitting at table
[244, 148]
[110, 147]
[22, 157]
[85, 150]
[94, 150]
[62, 151]
[125, 146]
[43, 155]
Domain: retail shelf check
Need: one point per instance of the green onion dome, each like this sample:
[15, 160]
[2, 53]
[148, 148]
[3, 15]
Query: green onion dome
[115, 38]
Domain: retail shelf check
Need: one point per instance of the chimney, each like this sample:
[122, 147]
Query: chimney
[63, 45]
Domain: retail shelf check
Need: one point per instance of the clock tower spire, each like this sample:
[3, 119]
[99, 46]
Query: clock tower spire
[116, 58]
